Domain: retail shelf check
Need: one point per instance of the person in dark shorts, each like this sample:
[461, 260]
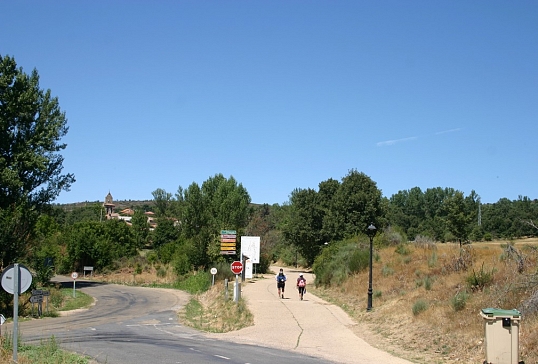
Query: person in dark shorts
[301, 286]
[281, 283]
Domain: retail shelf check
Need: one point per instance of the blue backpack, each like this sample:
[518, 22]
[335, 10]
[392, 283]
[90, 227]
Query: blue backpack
[281, 278]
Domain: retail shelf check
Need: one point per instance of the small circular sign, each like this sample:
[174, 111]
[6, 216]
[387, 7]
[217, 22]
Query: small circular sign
[8, 279]
[213, 271]
[237, 267]
[74, 275]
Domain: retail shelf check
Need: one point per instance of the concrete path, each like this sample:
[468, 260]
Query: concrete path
[312, 326]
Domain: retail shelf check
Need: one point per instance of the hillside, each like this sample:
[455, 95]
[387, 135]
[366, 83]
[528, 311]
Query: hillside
[425, 308]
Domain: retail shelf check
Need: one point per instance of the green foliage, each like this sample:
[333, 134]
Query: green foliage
[419, 306]
[181, 264]
[140, 227]
[196, 283]
[387, 271]
[49, 352]
[165, 232]
[337, 211]
[31, 128]
[338, 261]
[98, 244]
[392, 236]
[359, 260]
[403, 249]
[432, 260]
[477, 281]
[459, 300]
[428, 282]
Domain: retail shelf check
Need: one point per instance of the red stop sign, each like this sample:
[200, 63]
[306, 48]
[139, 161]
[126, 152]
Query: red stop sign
[237, 267]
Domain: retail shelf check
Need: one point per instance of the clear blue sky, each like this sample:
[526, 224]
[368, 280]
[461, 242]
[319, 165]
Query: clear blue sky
[287, 94]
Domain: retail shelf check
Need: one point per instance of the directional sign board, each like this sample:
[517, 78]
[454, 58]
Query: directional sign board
[228, 239]
[237, 267]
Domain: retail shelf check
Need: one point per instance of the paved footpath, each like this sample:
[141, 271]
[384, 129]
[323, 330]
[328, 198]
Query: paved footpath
[312, 326]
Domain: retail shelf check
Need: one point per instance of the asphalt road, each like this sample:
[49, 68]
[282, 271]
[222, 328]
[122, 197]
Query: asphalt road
[134, 325]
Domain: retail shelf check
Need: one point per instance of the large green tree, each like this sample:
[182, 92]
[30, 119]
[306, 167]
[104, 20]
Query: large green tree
[31, 126]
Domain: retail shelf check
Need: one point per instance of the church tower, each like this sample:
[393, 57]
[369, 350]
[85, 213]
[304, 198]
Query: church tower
[109, 205]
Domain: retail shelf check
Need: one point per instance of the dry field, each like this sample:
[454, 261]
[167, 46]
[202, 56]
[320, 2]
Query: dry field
[426, 279]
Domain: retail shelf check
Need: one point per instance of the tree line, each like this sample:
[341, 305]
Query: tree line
[50, 238]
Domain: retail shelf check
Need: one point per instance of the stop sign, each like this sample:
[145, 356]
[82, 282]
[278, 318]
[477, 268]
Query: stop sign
[237, 267]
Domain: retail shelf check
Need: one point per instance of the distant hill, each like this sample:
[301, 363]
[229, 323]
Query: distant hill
[120, 204]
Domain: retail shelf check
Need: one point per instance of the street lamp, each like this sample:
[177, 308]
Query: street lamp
[371, 230]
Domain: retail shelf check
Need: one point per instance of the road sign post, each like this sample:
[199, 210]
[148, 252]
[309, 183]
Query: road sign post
[213, 272]
[237, 268]
[74, 275]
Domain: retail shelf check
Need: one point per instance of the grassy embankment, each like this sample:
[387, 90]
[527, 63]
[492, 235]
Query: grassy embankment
[427, 298]
[49, 351]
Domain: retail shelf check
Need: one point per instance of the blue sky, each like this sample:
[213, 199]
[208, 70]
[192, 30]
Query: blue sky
[287, 94]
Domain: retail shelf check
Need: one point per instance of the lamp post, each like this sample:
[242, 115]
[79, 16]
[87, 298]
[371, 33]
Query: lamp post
[371, 230]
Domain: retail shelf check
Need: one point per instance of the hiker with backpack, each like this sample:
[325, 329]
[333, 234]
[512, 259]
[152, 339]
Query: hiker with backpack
[301, 286]
[280, 282]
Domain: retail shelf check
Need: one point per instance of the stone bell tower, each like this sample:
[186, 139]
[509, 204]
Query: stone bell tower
[109, 205]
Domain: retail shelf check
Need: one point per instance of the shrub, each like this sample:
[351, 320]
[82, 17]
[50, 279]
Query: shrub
[459, 301]
[196, 283]
[161, 272]
[403, 249]
[387, 271]
[478, 280]
[432, 260]
[428, 281]
[359, 260]
[419, 306]
[391, 237]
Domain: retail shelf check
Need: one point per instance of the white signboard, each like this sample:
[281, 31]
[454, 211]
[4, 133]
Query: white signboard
[250, 247]
[248, 269]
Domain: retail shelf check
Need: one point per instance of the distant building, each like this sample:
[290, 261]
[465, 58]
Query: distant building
[125, 214]
[109, 207]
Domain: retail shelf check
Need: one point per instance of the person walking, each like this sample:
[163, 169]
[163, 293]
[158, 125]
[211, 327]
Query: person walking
[301, 286]
[281, 282]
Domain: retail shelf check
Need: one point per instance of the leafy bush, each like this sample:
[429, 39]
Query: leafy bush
[391, 237]
[478, 280]
[387, 271]
[459, 301]
[196, 283]
[403, 249]
[428, 281]
[419, 306]
[359, 260]
[339, 260]
[432, 260]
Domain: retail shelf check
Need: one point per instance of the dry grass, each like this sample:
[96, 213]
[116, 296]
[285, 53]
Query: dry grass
[150, 275]
[212, 312]
[441, 334]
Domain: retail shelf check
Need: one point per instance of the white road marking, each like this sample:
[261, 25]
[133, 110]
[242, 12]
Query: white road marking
[222, 357]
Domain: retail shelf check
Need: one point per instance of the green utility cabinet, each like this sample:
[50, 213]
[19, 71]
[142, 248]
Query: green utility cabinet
[501, 330]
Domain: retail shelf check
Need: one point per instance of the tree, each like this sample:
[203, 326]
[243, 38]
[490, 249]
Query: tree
[163, 202]
[355, 205]
[140, 228]
[31, 127]
[303, 227]
[458, 219]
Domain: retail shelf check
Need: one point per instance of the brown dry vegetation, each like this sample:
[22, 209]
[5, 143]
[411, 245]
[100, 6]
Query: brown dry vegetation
[439, 333]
